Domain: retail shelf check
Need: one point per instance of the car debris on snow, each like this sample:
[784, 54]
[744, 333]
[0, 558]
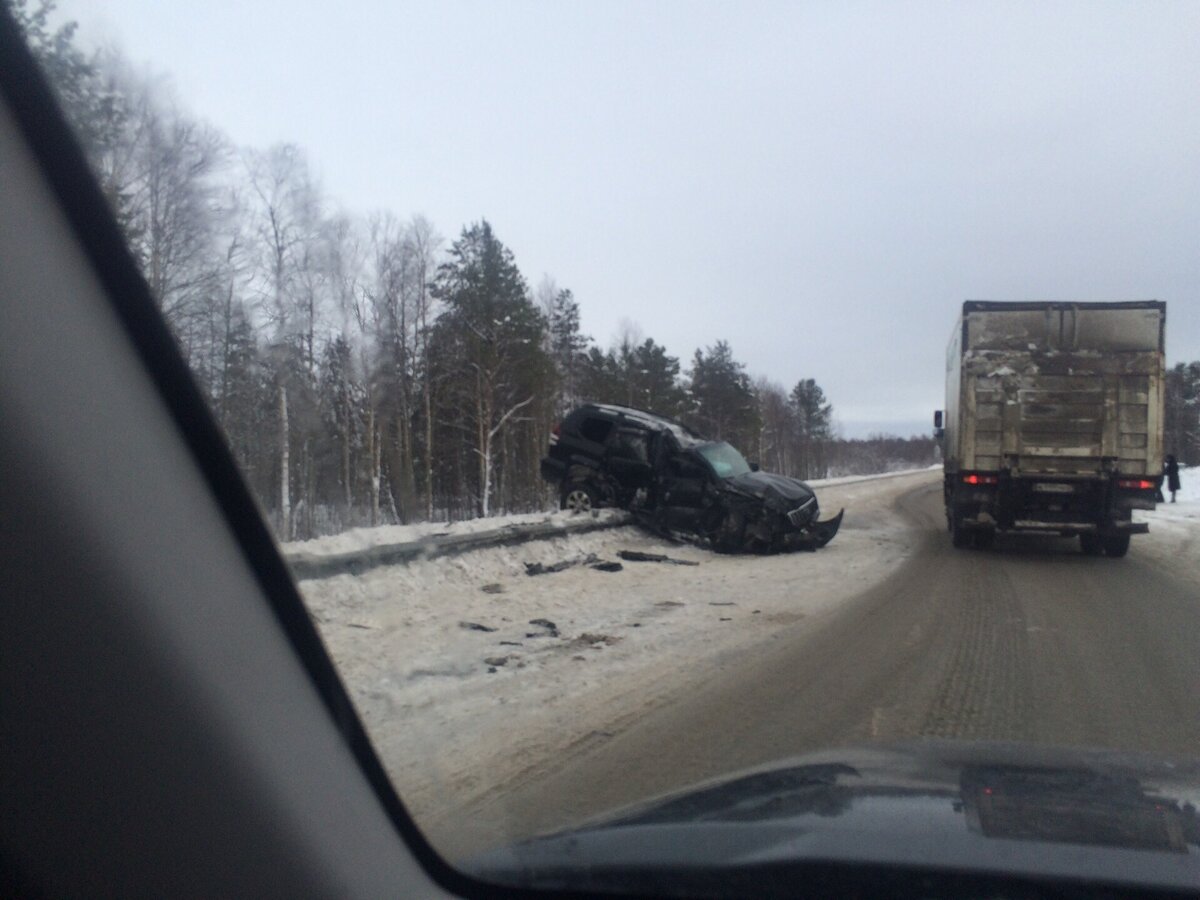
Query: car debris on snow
[639, 556]
[591, 560]
[475, 626]
[562, 565]
[493, 588]
[595, 640]
[551, 629]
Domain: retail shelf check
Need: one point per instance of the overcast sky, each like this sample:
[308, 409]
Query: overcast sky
[820, 184]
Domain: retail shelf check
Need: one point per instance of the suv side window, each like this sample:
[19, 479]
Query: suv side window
[595, 430]
[630, 444]
[683, 467]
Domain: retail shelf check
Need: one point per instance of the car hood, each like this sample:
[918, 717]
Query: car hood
[776, 491]
[990, 810]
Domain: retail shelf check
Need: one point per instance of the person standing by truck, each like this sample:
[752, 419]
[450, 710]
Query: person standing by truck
[1171, 470]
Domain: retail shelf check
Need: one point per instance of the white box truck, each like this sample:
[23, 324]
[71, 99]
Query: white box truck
[1053, 420]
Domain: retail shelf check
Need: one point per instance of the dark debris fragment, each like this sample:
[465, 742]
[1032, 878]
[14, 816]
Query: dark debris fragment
[551, 629]
[561, 565]
[475, 626]
[639, 556]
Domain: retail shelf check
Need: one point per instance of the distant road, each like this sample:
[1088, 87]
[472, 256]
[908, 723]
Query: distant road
[1030, 642]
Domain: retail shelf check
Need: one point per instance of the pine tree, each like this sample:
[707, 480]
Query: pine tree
[566, 346]
[488, 348]
[722, 398]
[1181, 432]
[342, 402]
[654, 380]
[813, 423]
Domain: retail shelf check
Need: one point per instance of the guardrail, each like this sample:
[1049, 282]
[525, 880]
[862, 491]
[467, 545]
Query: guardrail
[353, 562]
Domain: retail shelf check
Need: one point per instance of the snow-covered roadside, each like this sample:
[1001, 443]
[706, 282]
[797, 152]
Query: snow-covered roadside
[1174, 539]
[468, 672]
[366, 538]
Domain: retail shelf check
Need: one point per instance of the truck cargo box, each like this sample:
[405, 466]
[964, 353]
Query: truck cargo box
[1065, 395]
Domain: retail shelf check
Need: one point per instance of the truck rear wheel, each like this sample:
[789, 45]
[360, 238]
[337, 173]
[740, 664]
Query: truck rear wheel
[1116, 545]
[984, 538]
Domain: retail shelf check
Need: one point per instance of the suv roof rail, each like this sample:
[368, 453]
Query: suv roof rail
[635, 412]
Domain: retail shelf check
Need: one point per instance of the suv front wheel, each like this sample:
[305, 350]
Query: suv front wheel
[579, 496]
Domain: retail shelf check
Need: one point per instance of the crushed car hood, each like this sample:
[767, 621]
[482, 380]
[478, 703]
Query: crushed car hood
[967, 809]
[778, 492]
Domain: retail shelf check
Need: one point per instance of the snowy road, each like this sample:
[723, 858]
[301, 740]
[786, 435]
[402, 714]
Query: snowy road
[661, 676]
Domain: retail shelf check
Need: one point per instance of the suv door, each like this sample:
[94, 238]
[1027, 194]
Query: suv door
[685, 486]
[627, 458]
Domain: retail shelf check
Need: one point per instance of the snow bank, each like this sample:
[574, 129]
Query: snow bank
[365, 538]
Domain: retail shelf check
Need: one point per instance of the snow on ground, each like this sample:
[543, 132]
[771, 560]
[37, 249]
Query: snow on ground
[1174, 527]
[364, 538]
[461, 690]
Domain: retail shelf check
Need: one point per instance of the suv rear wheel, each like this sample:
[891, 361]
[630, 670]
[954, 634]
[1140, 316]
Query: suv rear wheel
[579, 496]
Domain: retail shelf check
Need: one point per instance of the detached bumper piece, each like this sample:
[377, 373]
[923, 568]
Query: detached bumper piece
[816, 534]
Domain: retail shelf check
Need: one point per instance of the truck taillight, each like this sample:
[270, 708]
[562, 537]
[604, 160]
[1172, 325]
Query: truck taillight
[1135, 484]
[975, 478]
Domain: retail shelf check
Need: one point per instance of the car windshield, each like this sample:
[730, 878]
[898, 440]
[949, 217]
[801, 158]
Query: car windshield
[724, 459]
[464, 296]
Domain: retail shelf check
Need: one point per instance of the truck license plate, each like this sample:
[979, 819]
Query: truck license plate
[1046, 487]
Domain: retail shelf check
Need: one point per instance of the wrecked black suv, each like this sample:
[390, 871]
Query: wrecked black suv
[678, 482]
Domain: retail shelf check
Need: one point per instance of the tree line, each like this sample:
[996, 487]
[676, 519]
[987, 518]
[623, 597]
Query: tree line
[1181, 423]
[364, 369]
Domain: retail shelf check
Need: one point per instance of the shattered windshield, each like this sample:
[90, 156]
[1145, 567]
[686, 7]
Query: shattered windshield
[724, 459]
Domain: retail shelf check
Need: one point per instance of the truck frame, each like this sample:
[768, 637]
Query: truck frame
[1053, 421]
